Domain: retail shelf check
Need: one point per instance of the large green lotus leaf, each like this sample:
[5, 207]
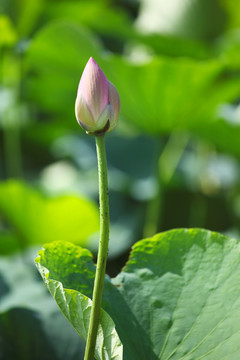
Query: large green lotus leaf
[181, 94]
[163, 95]
[38, 219]
[177, 297]
[74, 305]
[118, 28]
[168, 94]
[158, 96]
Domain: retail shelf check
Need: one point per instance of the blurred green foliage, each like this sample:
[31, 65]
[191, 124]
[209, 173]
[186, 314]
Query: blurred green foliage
[33, 217]
[31, 326]
[174, 158]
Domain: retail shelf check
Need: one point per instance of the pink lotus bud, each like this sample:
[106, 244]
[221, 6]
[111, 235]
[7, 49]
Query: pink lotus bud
[98, 104]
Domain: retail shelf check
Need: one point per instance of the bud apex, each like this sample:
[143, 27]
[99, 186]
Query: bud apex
[98, 104]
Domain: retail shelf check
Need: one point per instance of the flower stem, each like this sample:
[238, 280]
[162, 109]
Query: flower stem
[103, 248]
[11, 65]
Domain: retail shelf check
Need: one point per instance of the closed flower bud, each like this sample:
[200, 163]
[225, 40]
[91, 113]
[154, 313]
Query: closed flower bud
[97, 105]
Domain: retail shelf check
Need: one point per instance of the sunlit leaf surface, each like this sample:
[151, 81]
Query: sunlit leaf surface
[38, 219]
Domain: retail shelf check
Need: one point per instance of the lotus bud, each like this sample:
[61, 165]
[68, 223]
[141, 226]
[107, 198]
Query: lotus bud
[97, 105]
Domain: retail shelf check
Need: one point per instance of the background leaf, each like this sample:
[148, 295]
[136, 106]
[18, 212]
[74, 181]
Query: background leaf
[178, 295]
[167, 94]
[37, 219]
[8, 35]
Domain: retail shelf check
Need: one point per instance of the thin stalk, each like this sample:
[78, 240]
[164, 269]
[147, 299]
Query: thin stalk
[12, 151]
[167, 162]
[171, 155]
[11, 121]
[103, 248]
[154, 206]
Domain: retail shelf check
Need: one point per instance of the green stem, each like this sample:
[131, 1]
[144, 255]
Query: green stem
[154, 206]
[11, 122]
[102, 251]
[167, 162]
